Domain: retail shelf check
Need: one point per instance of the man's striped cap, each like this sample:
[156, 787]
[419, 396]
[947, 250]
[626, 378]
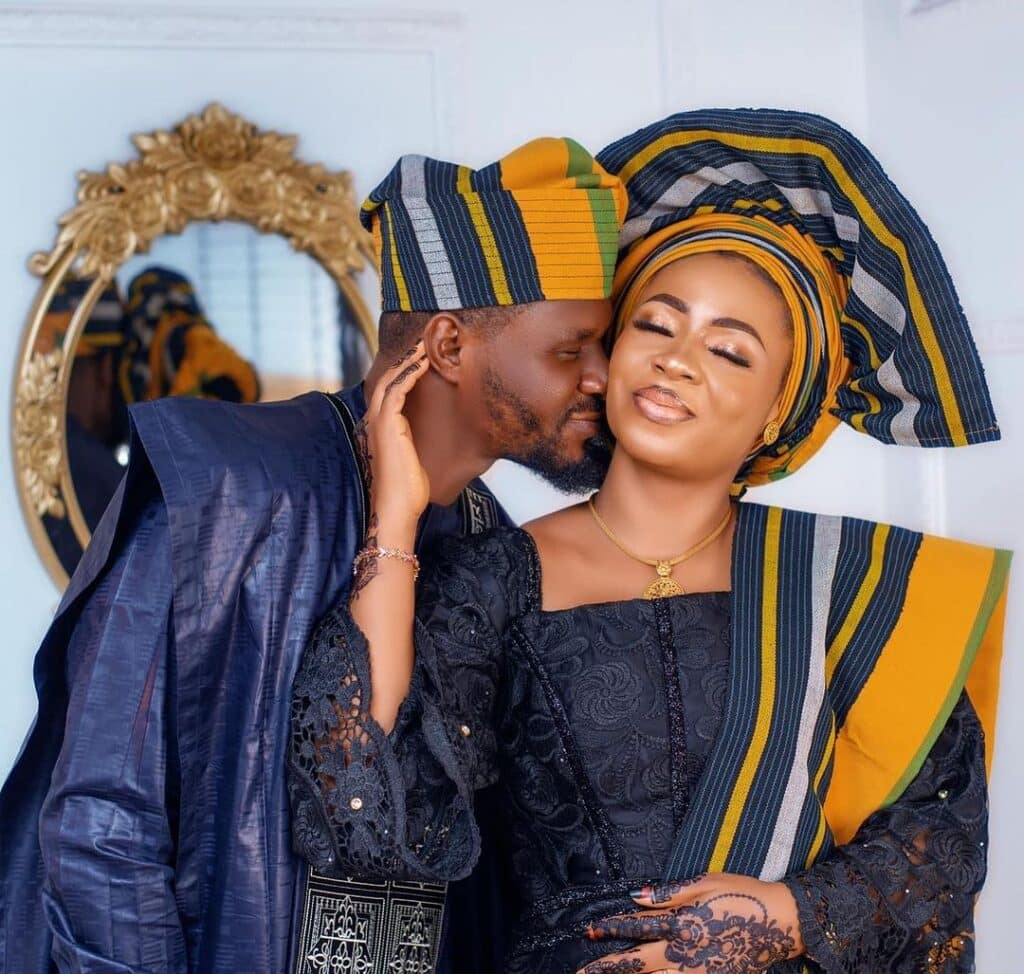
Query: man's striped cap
[541, 224]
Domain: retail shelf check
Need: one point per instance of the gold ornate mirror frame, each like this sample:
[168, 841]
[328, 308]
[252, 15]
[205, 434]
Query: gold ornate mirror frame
[211, 167]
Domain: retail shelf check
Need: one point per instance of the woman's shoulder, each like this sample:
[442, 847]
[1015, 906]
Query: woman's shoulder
[559, 528]
[860, 545]
[856, 529]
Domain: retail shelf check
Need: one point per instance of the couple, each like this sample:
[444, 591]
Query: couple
[145, 825]
[771, 281]
[725, 737]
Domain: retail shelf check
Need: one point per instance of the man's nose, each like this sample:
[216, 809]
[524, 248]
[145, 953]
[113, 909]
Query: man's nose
[594, 377]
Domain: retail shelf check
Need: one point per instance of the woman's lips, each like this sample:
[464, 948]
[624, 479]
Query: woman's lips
[662, 406]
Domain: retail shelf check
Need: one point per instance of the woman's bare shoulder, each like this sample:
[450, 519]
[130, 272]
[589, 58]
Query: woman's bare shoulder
[559, 526]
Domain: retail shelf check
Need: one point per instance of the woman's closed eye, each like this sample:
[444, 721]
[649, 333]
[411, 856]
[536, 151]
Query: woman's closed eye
[723, 351]
[642, 324]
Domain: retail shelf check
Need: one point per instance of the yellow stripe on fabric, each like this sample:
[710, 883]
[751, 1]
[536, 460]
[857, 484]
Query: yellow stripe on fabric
[861, 602]
[396, 267]
[485, 235]
[887, 726]
[819, 835]
[765, 706]
[783, 146]
[103, 339]
[565, 244]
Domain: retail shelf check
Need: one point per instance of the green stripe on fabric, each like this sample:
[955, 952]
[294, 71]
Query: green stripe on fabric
[602, 208]
[993, 592]
[581, 162]
[606, 227]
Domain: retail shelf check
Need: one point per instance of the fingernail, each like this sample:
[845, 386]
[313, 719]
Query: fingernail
[640, 894]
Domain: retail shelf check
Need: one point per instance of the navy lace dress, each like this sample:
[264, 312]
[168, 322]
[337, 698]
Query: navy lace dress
[596, 722]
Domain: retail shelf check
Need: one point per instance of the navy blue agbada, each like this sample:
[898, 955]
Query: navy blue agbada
[145, 825]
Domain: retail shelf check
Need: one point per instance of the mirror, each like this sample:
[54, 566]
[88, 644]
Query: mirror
[216, 265]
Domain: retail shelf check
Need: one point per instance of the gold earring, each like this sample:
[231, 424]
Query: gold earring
[771, 433]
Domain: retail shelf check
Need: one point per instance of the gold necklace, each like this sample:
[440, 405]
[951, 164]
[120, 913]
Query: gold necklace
[663, 585]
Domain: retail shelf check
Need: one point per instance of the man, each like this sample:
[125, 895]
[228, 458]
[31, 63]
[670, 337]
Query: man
[155, 771]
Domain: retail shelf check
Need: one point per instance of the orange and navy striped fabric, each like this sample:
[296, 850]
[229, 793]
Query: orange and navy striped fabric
[910, 373]
[174, 350]
[833, 619]
[105, 329]
[540, 224]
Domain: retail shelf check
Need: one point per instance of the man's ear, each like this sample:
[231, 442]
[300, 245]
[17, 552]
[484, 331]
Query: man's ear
[444, 339]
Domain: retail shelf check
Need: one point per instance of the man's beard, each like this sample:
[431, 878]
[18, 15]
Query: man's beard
[517, 429]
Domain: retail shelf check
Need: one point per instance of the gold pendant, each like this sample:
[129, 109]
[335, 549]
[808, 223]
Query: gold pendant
[663, 586]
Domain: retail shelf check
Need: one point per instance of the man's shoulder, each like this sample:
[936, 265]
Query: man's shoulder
[191, 443]
[235, 431]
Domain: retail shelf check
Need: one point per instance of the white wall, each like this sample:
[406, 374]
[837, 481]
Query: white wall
[945, 90]
[936, 95]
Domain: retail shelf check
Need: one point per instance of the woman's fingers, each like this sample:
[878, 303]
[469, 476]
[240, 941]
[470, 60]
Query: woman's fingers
[398, 388]
[654, 923]
[645, 925]
[645, 959]
[396, 373]
[680, 892]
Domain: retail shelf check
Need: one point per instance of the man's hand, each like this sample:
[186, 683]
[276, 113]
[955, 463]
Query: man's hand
[720, 923]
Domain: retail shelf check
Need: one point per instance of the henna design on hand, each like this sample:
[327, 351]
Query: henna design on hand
[625, 965]
[698, 936]
[404, 374]
[664, 892]
[404, 357]
[364, 457]
[368, 567]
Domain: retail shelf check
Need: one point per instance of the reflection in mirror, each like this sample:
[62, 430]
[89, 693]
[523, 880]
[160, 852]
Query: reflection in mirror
[219, 312]
[275, 308]
[96, 421]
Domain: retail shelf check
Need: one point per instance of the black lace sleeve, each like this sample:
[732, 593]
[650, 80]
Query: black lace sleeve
[401, 805]
[900, 896]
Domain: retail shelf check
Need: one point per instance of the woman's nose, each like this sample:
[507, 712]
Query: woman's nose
[675, 365]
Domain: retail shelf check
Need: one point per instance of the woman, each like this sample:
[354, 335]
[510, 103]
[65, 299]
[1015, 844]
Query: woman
[174, 350]
[697, 709]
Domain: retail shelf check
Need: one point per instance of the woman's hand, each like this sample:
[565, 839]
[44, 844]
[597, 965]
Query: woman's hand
[398, 485]
[721, 923]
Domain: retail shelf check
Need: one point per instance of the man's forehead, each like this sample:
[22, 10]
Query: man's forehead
[568, 320]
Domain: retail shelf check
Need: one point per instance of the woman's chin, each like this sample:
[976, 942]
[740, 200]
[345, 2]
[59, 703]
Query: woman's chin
[654, 445]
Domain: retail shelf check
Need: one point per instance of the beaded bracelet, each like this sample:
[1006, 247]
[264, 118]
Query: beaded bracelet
[396, 553]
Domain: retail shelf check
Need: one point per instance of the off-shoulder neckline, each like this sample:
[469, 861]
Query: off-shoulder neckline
[535, 587]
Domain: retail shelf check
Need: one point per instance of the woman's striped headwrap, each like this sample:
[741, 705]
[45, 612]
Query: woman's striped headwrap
[174, 350]
[541, 224]
[880, 340]
[104, 331]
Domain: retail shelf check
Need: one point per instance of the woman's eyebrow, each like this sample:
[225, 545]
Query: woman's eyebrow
[739, 326]
[680, 305]
[672, 301]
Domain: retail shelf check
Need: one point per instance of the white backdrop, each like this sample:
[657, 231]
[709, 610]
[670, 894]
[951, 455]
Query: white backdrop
[936, 93]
